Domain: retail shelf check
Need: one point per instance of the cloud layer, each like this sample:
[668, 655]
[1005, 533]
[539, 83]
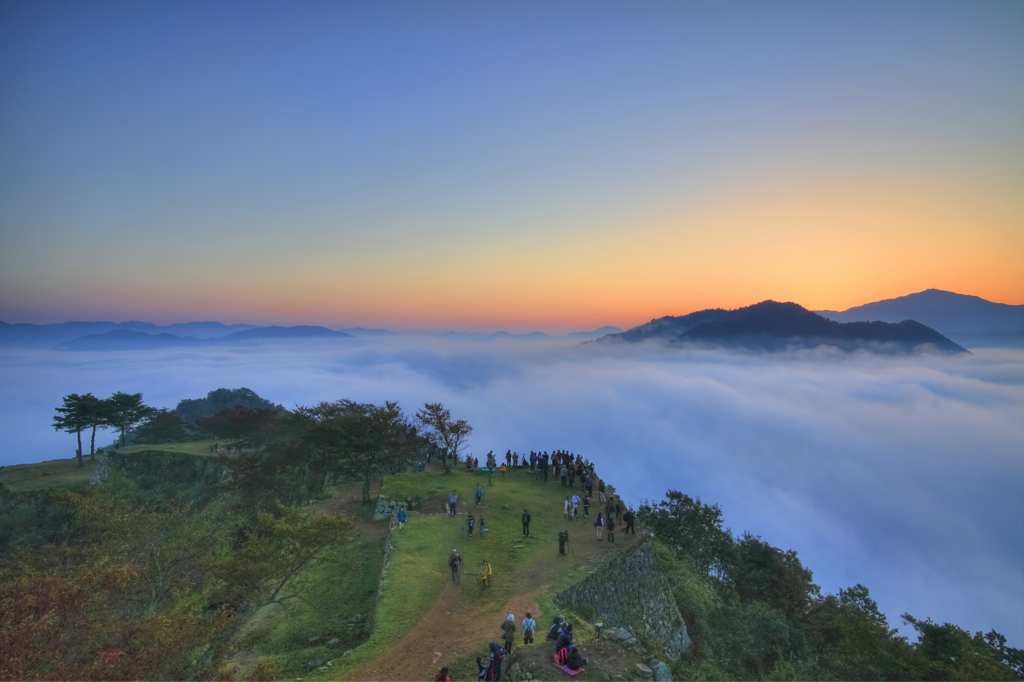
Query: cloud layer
[903, 474]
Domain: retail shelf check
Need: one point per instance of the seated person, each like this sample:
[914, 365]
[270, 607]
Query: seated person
[576, 659]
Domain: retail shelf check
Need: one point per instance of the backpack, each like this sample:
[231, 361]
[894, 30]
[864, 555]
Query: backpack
[562, 657]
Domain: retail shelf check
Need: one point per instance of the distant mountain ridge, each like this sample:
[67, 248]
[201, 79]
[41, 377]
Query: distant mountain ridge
[969, 320]
[772, 326]
[111, 336]
[49, 335]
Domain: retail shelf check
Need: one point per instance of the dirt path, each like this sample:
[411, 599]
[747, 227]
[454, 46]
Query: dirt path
[455, 627]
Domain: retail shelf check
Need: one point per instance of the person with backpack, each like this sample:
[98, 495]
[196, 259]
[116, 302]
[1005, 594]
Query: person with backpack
[485, 573]
[492, 670]
[454, 561]
[508, 632]
[526, 522]
[556, 628]
[599, 527]
[453, 501]
[529, 626]
[469, 524]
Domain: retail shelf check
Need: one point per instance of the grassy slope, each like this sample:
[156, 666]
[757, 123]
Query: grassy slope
[418, 601]
[65, 473]
[526, 571]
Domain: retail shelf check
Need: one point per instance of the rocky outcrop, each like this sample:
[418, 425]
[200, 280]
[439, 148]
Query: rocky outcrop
[630, 592]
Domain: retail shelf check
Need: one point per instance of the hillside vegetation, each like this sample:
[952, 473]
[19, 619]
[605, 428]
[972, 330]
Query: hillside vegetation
[283, 560]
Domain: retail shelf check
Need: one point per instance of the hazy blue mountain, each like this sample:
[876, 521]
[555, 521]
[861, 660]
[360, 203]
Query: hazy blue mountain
[774, 326]
[484, 336]
[50, 335]
[126, 339]
[968, 320]
[200, 330]
[360, 331]
[596, 334]
[275, 332]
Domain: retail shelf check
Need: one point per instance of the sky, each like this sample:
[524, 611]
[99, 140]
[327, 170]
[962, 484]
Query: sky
[900, 473]
[518, 166]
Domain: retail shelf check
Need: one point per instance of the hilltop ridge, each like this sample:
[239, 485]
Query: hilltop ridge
[773, 326]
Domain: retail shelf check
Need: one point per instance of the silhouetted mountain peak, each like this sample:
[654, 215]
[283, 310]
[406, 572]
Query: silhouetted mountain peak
[772, 325]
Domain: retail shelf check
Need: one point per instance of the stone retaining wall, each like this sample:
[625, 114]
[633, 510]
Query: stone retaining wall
[630, 592]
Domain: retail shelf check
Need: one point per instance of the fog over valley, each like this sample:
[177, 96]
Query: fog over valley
[904, 474]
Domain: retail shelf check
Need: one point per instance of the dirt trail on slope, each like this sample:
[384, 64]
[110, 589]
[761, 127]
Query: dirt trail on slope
[455, 627]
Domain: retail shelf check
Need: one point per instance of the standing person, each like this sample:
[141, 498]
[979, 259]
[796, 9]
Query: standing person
[529, 625]
[454, 561]
[566, 506]
[401, 518]
[599, 527]
[575, 505]
[563, 540]
[526, 522]
[508, 457]
[572, 476]
[588, 483]
[469, 525]
[586, 506]
[483, 528]
[478, 494]
[508, 632]
[629, 517]
[611, 530]
[485, 573]
[503, 471]
[563, 475]
[515, 460]
[600, 492]
[453, 503]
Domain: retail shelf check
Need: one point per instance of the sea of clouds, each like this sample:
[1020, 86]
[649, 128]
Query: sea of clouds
[905, 474]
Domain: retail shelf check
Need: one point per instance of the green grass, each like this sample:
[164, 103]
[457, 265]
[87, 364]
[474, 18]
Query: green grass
[418, 570]
[57, 473]
[65, 473]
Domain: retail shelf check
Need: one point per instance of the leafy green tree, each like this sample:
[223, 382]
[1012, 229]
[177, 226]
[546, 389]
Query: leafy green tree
[124, 411]
[951, 653]
[692, 529]
[242, 425]
[74, 416]
[443, 432]
[193, 410]
[357, 439]
[761, 572]
[161, 426]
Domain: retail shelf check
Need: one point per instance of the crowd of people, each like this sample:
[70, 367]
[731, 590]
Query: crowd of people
[575, 474]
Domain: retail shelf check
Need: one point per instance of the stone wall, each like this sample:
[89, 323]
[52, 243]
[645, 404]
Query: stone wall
[631, 592]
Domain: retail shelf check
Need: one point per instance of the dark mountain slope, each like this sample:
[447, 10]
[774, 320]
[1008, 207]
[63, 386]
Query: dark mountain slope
[968, 320]
[776, 326]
